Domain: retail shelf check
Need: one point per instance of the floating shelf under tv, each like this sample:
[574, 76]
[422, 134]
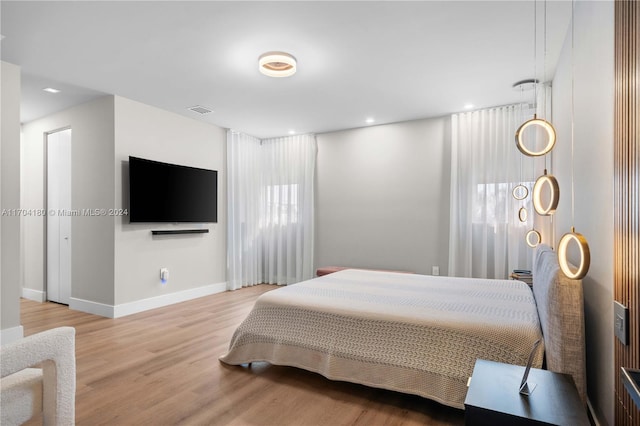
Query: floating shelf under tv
[180, 231]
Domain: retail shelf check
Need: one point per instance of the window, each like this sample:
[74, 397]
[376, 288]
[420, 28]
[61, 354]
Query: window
[493, 202]
[281, 204]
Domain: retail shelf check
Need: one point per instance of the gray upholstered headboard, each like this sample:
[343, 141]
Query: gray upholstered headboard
[561, 310]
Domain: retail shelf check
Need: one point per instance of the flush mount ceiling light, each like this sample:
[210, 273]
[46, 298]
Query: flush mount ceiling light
[554, 194]
[277, 64]
[51, 90]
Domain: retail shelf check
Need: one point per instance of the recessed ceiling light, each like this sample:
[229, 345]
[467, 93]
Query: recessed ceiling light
[277, 64]
[292, 132]
[370, 120]
[51, 90]
[468, 106]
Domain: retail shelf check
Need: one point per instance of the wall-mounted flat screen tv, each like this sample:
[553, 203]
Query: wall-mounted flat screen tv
[162, 192]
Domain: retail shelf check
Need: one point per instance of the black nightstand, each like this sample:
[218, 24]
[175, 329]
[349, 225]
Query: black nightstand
[493, 397]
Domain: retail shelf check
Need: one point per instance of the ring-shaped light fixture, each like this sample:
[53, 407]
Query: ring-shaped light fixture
[585, 255]
[533, 238]
[520, 192]
[550, 131]
[523, 214]
[552, 183]
[277, 64]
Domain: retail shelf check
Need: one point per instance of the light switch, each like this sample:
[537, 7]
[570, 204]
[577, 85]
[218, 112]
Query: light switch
[621, 322]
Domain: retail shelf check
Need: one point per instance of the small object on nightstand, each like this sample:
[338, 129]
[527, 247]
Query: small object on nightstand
[527, 388]
[493, 397]
[523, 275]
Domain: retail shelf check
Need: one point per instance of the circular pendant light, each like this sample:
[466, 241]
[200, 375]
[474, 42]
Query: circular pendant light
[520, 192]
[277, 64]
[549, 131]
[554, 194]
[583, 247]
[585, 255]
[533, 238]
[523, 214]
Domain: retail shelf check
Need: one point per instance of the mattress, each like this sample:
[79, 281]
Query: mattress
[410, 333]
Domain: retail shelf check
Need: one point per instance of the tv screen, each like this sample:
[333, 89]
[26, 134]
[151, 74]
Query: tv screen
[162, 192]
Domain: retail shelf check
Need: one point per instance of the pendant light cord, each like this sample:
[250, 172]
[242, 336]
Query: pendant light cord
[544, 61]
[544, 70]
[535, 55]
[520, 114]
[573, 18]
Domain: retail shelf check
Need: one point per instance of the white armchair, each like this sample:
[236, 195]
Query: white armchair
[49, 389]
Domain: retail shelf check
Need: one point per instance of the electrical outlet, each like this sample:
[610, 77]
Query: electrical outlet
[435, 270]
[621, 322]
[164, 275]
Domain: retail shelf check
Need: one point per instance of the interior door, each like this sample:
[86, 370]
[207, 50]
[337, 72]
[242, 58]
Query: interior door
[59, 216]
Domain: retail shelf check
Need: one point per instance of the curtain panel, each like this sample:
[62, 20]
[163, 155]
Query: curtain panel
[270, 192]
[487, 238]
[244, 182]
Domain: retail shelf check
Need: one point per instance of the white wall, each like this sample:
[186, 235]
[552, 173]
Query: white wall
[382, 197]
[193, 260]
[593, 105]
[115, 263]
[92, 187]
[10, 199]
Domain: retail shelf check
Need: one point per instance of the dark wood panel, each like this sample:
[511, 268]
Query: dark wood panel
[626, 193]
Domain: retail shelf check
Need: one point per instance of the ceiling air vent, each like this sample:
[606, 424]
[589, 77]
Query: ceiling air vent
[200, 109]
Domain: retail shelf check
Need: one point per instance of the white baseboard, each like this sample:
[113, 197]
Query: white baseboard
[91, 307]
[12, 334]
[167, 299]
[35, 295]
[129, 308]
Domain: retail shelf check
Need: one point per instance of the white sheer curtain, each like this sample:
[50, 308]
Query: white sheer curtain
[270, 209]
[244, 205]
[486, 238]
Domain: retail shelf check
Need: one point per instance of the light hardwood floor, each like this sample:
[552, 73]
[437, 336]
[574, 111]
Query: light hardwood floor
[161, 367]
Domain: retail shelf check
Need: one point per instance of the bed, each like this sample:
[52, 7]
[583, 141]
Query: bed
[414, 333]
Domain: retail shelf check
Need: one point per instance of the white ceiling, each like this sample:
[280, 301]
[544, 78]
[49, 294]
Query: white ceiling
[393, 61]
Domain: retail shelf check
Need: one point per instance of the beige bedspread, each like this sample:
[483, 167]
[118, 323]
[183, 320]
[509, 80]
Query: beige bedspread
[411, 333]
